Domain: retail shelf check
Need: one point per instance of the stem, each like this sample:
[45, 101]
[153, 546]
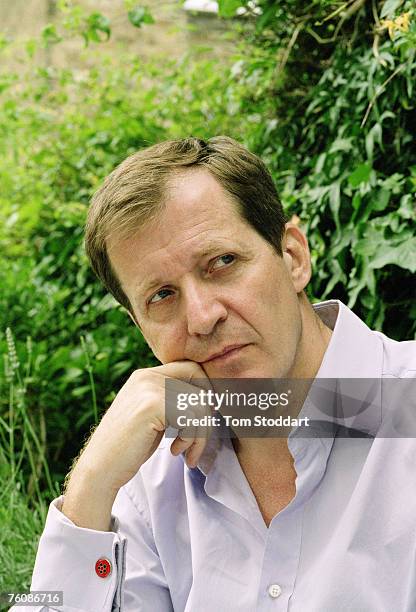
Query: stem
[92, 385]
[335, 13]
[33, 482]
[290, 46]
[10, 484]
[28, 426]
[353, 8]
[11, 433]
[380, 91]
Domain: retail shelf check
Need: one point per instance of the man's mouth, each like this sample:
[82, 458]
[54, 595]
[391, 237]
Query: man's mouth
[225, 353]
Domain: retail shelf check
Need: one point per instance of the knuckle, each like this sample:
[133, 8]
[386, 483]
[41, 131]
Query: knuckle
[137, 374]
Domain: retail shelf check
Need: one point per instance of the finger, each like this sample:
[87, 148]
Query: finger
[192, 439]
[181, 444]
[195, 451]
[187, 371]
[193, 444]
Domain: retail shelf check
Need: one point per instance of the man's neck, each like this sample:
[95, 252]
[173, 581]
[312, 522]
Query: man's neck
[274, 451]
[314, 341]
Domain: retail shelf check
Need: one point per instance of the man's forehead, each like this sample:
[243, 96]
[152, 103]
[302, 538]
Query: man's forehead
[193, 187]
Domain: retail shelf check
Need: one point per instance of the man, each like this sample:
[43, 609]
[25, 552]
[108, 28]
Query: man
[191, 238]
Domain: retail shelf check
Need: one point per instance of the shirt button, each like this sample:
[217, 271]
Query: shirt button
[103, 567]
[274, 590]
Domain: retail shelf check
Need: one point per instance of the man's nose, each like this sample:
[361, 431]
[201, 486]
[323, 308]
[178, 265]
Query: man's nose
[203, 308]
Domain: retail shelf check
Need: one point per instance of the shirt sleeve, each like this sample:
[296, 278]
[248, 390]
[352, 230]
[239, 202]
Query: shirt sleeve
[67, 555]
[145, 587]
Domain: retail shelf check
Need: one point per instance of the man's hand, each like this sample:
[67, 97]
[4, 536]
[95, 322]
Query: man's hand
[126, 437]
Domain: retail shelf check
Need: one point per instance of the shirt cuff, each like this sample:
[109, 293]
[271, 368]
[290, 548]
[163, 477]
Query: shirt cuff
[66, 561]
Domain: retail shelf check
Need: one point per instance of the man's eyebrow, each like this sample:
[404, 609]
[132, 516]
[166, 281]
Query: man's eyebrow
[150, 283]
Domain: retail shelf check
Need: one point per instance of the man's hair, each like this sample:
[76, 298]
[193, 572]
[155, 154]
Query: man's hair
[135, 191]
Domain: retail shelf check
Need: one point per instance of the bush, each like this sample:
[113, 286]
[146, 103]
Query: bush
[62, 133]
[328, 93]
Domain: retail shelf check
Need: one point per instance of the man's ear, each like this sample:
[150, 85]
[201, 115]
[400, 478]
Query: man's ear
[296, 256]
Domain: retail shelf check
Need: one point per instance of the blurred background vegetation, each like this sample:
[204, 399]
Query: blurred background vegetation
[323, 91]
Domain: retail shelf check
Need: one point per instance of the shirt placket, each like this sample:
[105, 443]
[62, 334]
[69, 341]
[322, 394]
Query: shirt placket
[280, 562]
[284, 540]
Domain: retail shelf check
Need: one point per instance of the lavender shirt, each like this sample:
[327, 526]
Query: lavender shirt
[194, 540]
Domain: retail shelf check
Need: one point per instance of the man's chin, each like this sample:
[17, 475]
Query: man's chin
[235, 371]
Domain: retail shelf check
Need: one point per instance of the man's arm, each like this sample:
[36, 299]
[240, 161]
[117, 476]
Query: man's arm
[80, 534]
[126, 437]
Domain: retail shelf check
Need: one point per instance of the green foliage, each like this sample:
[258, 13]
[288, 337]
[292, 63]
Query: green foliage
[98, 28]
[50, 35]
[22, 459]
[333, 86]
[228, 8]
[140, 15]
[21, 527]
[62, 133]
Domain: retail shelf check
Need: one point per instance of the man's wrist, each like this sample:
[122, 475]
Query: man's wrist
[88, 501]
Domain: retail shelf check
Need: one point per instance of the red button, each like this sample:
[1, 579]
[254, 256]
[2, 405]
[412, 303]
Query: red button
[103, 568]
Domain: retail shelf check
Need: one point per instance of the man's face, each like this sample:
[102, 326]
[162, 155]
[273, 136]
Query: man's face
[202, 281]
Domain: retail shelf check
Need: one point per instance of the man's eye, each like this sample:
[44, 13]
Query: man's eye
[223, 260]
[159, 296]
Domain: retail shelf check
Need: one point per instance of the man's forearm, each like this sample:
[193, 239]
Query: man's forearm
[87, 502]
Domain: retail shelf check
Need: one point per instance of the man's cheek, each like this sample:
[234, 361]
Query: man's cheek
[167, 349]
[152, 341]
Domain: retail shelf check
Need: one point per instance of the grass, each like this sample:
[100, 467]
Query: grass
[23, 465]
[21, 526]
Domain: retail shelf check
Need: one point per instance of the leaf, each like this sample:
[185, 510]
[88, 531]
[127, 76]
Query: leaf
[356, 201]
[407, 209]
[380, 251]
[140, 15]
[31, 47]
[320, 163]
[360, 175]
[386, 115]
[227, 8]
[97, 23]
[266, 18]
[341, 144]
[337, 276]
[335, 200]
[356, 285]
[402, 255]
[72, 373]
[381, 200]
[394, 183]
[50, 35]
[374, 135]
[389, 8]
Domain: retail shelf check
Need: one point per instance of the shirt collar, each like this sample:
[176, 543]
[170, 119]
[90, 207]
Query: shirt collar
[354, 351]
[337, 399]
